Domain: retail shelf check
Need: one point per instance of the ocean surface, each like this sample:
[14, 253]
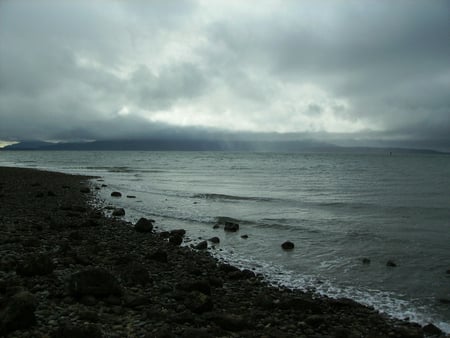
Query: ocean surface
[336, 208]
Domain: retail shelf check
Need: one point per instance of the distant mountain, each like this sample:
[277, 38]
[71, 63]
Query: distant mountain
[208, 145]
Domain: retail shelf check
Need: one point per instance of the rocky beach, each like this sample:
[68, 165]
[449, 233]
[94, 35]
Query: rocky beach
[68, 270]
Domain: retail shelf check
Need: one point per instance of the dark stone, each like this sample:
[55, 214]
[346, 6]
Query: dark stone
[432, 330]
[51, 193]
[244, 236]
[71, 331]
[302, 304]
[315, 320]
[178, 232]
[35, 265]
[118, 212]
[116, 194]
[85, 190]
[159, 255]
[198, 302]
[232, 323]
[288, 245]
[76, 236]
[215, 240]
[242, 274]
[447, 272]
[228, 268]
[231, 227]
[196, 285]
[391, 263]
[175, 239]
[90, 316]
[365, 261]
[144, 225]
[164, 234]
[216, 226]
[88, 300]
[131, 196]
[91, 223]
[96, 282]
[104, 185]
[191, 332]
[203, 245]
[444, 300]
[17, 312]
[136, 274]
[39, 195]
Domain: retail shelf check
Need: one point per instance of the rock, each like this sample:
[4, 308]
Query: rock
[17, 312]
[365, 261]
[244, 236]
[36, 265]
[444, 300]
[39, 195]
[231, 227]
[85, 190]
[71, 331]
[231, 322]
[391, 263]
[288, 245]
[144, 225]
[203, 245]
[215, 240]
[131, 196]
[51, 193]
[216, 226]
[178, 232]
[96, 282]
[159, 255]
[8, 262]
[91, 223]
[447, 272]
[90, 316]
[175, 239]
[136, 274]
[432, 330]
[116, 194]
[118, 212]
[198, 302]
[228, 268]
[202, 286]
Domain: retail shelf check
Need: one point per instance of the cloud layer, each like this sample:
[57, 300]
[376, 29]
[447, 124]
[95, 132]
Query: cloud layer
[353, 69]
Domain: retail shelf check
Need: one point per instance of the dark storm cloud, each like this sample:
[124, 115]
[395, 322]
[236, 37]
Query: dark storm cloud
[90, 70]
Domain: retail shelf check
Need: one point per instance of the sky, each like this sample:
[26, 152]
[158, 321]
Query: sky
[357, 72]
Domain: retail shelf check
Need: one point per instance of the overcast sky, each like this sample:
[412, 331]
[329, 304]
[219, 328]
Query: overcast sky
[363, 69]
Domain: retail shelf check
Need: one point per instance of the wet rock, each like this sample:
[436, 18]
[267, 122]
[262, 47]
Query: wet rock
[391, 263]
[96, 282]
[216, 226]
[136, 274]
[131, 196]
[17, 312]
[8, 262]
[178, 232]
[231, 227]
[202, 286]
[365, 261]
[144, 225]
[76, 331]
[203, 245]
[158, 255]
[228, 268]
[432, 330]
[175, 239]
[288, 245]
[447, 272]
[215, 240]
[244, 236]
[85, 190]
[35, 265]
[116, 194]
[118, 212]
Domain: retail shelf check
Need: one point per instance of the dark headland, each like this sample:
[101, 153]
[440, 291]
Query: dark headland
[68, 271]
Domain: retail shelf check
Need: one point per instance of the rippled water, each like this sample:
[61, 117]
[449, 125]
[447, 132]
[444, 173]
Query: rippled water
[336, 208]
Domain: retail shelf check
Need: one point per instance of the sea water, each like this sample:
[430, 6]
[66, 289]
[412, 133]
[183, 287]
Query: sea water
[337, 208]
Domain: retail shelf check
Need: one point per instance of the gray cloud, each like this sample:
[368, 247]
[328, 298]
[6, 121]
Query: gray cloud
[356, 69]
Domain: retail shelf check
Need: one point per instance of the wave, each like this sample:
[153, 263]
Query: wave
[224, 197]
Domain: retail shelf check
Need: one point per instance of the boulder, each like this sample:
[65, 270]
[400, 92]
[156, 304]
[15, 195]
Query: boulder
[116, 194]
[203, 245]
[288, 245]
[175, 239]
[215, 240]
[198, 302]
[17, 312]
[432, 330]
[244, 236]
[365, 261]
[144, 225]
[179, 232]
[118, 212]
[391, 263]
[85, 190]
[37, 265]
[158, 255]
[95, 282]
[231, 227]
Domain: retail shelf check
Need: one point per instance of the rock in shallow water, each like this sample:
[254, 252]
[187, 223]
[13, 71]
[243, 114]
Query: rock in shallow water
[118, 212]
[231, 227]
[391, 263]
[203, 245]
[144, 225]
[116, 194]
[288, 245]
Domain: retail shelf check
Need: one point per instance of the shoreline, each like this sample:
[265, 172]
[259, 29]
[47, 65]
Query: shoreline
[55, 247]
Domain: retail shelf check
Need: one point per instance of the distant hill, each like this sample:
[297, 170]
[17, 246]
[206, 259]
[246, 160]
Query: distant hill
[207, 145]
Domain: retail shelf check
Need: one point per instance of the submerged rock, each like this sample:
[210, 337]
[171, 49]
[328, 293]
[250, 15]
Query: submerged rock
[288, 245]
[116, 194]
[391, 263]
[231, 227]
[215, 240]
[203, 245]
[365, 261]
